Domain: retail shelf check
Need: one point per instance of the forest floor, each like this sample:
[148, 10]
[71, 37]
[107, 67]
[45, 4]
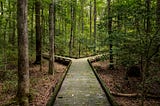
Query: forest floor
[41, 84]
[115, 81]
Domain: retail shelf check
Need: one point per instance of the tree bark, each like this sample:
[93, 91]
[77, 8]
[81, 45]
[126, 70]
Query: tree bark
[38, 33]
[148, 26]
[90, 19]
[74, 21]
[4, 39]
[10, 23]
[81, 22]
[14, 26]
[23, 62]
[13, 34]
[32, 26]
[111, 66]
[95, 19]
[51, 39]
[71, 33]
[1, 8]
[73, 26]
[158, 14]
[82, 16]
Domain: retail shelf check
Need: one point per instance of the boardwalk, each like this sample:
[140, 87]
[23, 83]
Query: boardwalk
[80, 87]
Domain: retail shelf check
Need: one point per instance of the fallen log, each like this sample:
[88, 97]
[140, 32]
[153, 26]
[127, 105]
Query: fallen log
[58, 59]
[125, 94]
[134, 95]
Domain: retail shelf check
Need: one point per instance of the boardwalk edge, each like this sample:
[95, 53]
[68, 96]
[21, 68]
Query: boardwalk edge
[103, 85]
[58, 86]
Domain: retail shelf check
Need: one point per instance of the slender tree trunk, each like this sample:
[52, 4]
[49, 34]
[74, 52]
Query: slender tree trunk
[1, 4]
[65, 28]
[43, 31]
[14, 26]
[146, 66]
[158, 15]
[32, 26]
[1, 8]
[52, 34]
[73, 26]
[23, 62]
[90, 19]
[81, 21]
[111, 66]
[13, 33]
[79, 38]
[137, 19]
[10, 23]
[4, 40]
[95, 19]
[119, 19]
[82, 16]
[74, 21]
[71, 33]
[5, 46]
[38, 33]
[148, 23]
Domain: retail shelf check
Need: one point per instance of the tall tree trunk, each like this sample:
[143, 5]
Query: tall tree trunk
[81, 21]
[14, 26]
[10, 23]
[90, 19]
[32, 26]
[43, 33]
[158, 15]
[4, 39]
[38, 33]
[5, 46]
[42, 36]
[95, 19]
[74, 20]
[82, 16]
[52, 34]
[71, 33]
[111, 66]
[79, 38]
[73, 26]
[1, 8]
[13, 33]
[148, 42]
[1, 4]
[148, 9]
[23, 62]
[137, 19]
[119, 19]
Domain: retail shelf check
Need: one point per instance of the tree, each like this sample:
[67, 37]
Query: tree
[38, 33]
[158, 14]
[71, 32]
[23, 62]
[32, 25]
[4, 37]
[109, 33]
[73, 26]
[51, 39]
[148, 26]
[90, 24]
[95, 30]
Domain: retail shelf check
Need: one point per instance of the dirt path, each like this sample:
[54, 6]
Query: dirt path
[80, 87]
